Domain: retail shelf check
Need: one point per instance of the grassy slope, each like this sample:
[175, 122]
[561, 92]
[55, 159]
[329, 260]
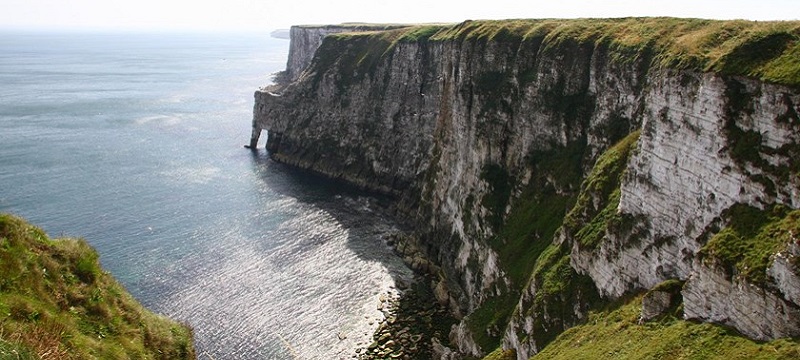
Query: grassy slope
[57, 303]
[527, 233]
[615, 333]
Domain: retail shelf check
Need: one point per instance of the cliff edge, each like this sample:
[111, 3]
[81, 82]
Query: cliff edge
[553, 167]
[57, 303]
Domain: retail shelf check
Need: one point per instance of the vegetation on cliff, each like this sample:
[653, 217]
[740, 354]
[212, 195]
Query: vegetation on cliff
[616, 333]
[586, 222]
[744, 247]
[765, 50]
[57, 303]
[533, 210]
[527, 250]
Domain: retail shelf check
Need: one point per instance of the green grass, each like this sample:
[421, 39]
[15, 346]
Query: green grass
[526, 234]
[419, 33]
[766, 50]
[14, 351]
[670, 286]
[751, 236]
[560, 289]
[56, 302]
[353, 55]
[601, 188]
[528, 230]
[615, 333]
[488, 321]
[525, 242]
[500, 354]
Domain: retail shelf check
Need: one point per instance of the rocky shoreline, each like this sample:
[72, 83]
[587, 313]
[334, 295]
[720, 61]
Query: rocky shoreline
[415, 320]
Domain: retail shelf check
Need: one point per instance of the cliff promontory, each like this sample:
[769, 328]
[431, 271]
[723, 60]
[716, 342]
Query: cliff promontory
[559, 171]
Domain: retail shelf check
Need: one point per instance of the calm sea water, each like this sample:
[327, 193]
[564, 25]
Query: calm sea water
[134, 142]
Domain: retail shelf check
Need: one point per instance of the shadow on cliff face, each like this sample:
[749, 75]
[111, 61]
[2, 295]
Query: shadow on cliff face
[410, 322]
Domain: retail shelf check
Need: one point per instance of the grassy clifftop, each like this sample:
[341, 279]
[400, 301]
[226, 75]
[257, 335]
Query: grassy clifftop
[616, 333]
[769, 51]
[57, 303]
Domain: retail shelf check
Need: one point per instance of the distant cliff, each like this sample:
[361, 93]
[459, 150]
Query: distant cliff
[280, 34]
[554, 166]
[307, 38]
[57, 303]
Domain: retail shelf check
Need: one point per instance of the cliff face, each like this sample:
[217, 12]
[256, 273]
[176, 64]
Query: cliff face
[497, 140]
[307, 38]
[691, 168]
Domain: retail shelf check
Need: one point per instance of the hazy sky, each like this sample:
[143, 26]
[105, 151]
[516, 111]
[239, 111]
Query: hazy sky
[270, 14]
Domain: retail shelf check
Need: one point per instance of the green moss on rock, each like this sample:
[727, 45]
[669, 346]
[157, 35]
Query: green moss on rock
[744, 246]
[528, 230]
[56, 300]
[747, 147]
[560, 292]
[596, 207]
[670, 286]
[419, 33]
[354, 56]
[488, 321]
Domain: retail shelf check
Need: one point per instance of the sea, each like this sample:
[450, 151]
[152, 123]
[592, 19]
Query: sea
[134, 142]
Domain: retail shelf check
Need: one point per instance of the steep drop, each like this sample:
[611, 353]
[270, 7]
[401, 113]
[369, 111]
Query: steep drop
[487, 133]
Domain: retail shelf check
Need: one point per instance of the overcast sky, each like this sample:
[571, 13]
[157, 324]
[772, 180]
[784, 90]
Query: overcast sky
[270, 14]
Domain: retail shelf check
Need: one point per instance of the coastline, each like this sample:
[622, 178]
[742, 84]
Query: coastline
[413, 322]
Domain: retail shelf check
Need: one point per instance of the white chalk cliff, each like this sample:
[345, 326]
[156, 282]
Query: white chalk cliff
[496, 142]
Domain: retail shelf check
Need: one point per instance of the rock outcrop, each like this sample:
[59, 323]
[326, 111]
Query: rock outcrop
[661, 299]
[497, 141]
[711, 295]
